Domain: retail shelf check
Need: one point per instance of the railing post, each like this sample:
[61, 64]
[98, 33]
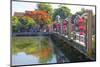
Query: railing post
[69, 28]
[89, 33]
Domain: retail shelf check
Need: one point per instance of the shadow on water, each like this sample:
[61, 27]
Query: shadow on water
[69, 52]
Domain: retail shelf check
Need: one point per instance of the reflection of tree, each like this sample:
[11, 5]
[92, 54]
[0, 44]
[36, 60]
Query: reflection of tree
[31, 45]
[45, 55]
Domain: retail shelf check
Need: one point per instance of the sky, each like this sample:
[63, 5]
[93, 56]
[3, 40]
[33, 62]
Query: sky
[23, 6]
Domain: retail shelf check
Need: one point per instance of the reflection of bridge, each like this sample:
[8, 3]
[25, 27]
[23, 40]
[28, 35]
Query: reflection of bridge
[74, 50]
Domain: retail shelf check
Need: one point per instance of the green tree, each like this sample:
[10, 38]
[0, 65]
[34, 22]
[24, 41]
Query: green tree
[27, 22]
[45, 7]
[81, 11]
[62, 11]
[30, 21]
[15, 23]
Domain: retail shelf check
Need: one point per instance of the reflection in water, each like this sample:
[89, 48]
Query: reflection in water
[32, 50]
[41, 50]
[24, 59]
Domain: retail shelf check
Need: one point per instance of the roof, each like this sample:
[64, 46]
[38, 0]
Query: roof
[19, 14]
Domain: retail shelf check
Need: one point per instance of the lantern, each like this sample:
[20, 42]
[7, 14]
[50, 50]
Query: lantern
[81, 20]
[58, 26]
[64, 28]
[81, 27]
[65, 22]
[82, 33]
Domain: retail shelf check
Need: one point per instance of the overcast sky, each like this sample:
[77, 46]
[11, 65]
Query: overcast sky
[23, 6]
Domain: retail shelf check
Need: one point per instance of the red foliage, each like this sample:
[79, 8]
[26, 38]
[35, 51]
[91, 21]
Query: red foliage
[40, 15]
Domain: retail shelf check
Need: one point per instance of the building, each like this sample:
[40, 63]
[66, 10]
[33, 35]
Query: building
[19, 14]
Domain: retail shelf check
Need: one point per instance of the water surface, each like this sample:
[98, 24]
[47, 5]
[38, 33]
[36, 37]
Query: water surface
[32, 50]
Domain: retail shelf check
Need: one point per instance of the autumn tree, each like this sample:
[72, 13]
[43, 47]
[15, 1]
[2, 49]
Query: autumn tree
[41, 17]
